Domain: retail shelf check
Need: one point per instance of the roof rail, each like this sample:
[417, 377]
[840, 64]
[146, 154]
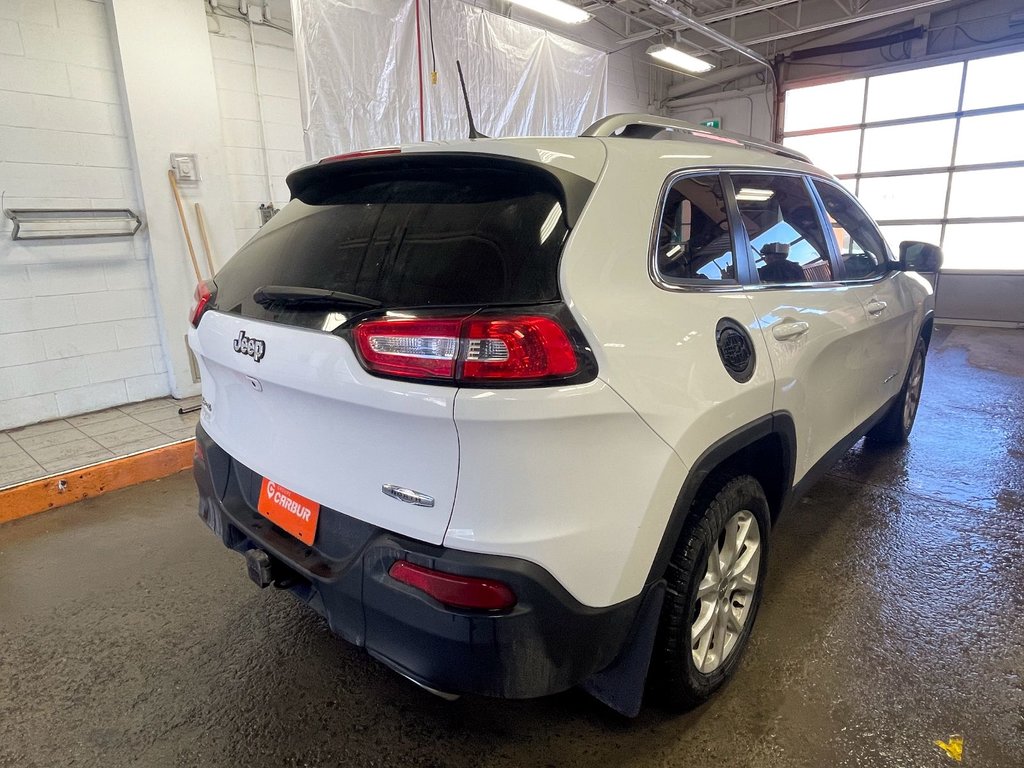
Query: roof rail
[640, 126]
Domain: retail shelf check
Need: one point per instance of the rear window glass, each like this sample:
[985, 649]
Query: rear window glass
[694, 241]
[411, 238]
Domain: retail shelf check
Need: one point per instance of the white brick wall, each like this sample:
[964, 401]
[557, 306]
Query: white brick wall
[77, 320]
[628, 82]
[240, 127]
[742, 112]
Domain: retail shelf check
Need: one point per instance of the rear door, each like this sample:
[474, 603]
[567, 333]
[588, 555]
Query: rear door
[285, 391]
[809, 321]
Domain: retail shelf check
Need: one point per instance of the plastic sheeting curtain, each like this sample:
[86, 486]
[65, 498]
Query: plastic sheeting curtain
[362, 85]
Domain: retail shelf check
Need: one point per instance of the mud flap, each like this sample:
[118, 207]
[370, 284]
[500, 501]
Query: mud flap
[621, 685]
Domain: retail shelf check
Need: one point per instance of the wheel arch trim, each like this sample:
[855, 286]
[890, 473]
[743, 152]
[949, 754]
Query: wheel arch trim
[927, 327]
[779, 424]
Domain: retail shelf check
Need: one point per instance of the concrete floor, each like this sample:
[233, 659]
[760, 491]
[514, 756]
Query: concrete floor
[892, 618]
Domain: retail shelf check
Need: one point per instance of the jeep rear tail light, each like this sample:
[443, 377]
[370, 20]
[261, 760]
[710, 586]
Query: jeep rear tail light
[515, 348]
[454, 590]
[205, 293]
[417, 349]
[474, 349]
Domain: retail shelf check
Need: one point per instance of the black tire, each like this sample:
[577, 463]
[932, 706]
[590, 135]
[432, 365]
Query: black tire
[675, 678]
[895, 426]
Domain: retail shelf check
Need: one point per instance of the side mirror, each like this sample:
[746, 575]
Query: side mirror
[920, 257]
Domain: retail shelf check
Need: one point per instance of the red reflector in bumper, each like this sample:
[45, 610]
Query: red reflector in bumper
[454, 590]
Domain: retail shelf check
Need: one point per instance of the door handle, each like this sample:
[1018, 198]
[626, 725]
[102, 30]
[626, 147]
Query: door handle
[786, 331]
[876, 307]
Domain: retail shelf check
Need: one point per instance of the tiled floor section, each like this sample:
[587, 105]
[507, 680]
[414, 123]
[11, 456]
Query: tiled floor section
[38, 450]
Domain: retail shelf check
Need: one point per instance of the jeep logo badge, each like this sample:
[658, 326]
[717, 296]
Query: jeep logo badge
[254, 348]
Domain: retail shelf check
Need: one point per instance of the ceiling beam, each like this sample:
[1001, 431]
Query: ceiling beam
[652, 28]
[832, 24]
[742, 10]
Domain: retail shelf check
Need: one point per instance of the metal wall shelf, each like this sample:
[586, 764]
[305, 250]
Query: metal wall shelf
[64, 223]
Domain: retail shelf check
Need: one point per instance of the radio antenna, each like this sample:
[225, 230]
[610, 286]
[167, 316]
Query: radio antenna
[473, 132]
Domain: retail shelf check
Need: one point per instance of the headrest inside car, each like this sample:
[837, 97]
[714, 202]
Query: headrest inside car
[775, 249]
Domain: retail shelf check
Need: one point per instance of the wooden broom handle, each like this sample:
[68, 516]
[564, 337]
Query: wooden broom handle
[205, 238]
[184, 224]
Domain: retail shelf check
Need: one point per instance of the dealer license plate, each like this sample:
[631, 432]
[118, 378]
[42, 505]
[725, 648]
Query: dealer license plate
[288, 510]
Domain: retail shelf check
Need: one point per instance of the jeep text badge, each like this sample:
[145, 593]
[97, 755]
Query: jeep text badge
[254, 348]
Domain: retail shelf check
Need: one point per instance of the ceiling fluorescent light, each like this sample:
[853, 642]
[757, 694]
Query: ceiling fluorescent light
[755, 195]
[556, 9]
[676, 58]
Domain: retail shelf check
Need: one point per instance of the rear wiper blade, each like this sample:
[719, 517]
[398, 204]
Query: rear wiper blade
[296, 295]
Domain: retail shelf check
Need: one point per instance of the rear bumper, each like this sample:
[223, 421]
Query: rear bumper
[547, 643]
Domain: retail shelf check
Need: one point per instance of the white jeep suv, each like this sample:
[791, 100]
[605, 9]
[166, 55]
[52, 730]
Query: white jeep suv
[517, 415]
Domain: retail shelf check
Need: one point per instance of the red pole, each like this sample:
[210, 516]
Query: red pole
[419, 66]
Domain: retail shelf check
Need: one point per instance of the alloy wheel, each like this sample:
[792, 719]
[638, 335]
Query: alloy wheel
[726, 592]
[913, 397]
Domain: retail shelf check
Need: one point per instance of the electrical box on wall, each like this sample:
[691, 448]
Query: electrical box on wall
[186, 169]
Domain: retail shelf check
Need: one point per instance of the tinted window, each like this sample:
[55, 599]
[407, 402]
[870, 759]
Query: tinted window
[785, 232]
[411, 237]
[860, 245]
[694, 241]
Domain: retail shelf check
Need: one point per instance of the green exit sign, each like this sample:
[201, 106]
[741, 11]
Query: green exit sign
[715, 122]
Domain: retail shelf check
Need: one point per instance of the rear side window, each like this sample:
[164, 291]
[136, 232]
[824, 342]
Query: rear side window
[860, 244]
[784, 228]
[410, 236]
[694, 241]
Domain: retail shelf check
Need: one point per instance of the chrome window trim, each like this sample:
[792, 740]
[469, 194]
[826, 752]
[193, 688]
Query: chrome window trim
[735, 286]
[890, 260]
[805, 176]
[759, 287]
[691, 284]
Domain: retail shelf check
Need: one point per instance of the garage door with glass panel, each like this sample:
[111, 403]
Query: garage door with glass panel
[933, 153]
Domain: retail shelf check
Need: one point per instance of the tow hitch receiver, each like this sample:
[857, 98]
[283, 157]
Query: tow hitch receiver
[257, 563]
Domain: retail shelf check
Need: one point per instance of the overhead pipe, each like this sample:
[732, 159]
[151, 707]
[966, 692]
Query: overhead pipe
[676, 15]
[712, 79]
[703, 99]
[259, 113]
[915, 33]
